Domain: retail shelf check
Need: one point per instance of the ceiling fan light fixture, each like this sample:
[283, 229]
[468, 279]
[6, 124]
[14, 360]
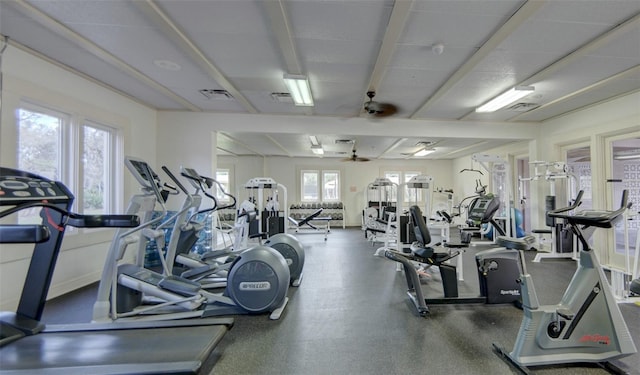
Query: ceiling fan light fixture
[505, 99]
[299, 89]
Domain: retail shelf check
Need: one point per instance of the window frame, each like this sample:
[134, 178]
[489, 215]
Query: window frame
[71, 152]
[320, 175]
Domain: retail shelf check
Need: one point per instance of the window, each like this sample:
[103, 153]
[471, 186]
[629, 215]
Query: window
[97, 151]
[330, 185]
[48, 145]
[398, 177]
[40, 142]
[223, 177]
[411, 195]
[310, 191]
[312, 181]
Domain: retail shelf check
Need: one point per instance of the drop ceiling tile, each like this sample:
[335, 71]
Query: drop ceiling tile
[594, 12]
[339, 20]
[353, 52]
[232, 17]
[448, 23]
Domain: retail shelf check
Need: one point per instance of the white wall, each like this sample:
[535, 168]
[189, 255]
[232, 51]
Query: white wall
[26, 77]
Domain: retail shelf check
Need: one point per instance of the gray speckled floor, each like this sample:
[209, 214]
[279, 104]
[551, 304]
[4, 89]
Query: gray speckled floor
[351, 316]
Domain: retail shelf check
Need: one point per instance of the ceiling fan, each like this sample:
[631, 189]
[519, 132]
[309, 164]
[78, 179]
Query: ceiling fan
[378, 109]
[355, 157]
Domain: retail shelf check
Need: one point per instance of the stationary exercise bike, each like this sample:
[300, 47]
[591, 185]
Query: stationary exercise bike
[498, 269]
[586, 326]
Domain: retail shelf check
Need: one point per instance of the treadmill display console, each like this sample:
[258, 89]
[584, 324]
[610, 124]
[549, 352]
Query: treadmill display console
[17, 188]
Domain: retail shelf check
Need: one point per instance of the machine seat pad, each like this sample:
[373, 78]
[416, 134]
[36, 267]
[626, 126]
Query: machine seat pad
[522, 243]
[423, 252]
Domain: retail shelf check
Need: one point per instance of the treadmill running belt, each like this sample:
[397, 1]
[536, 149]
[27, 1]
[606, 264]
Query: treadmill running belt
[170, 350]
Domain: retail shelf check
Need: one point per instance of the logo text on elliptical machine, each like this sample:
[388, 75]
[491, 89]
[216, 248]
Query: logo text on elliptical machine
[255, 285]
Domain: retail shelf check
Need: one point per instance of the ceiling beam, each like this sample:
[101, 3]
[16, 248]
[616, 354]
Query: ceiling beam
[237, 141]
[396, 25]
[395, 145]
[273, 140]
[69, 69]
[281, 28]
[84, 43]
[600, 41]
[514, 22]
[629, 73]
[170, 29]
[227, 151]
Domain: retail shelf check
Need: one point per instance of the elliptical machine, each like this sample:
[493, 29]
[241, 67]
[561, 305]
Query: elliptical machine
[257, 282]
[586, 326]
[185, 234]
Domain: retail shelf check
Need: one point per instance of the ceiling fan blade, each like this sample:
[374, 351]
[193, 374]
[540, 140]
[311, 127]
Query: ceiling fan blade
[385, 109]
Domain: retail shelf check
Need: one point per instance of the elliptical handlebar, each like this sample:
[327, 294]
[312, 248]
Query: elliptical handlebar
[175, 180]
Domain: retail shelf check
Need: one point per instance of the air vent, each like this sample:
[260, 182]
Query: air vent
[344, 141]
[216, 94]
[282, 97]
[522, 107]
[426, 143]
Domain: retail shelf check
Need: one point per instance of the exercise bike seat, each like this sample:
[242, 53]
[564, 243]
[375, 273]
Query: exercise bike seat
[430, 256]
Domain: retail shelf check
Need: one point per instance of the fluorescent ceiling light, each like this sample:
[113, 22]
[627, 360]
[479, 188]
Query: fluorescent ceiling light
[314, 140]
[299, 89]
[318, 150]
[424, 152]
[506, 98]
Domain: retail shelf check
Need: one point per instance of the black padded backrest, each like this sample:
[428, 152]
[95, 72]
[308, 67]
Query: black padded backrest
[419, 225]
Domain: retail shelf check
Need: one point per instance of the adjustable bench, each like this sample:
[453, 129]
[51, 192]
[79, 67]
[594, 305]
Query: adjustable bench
[315, 216]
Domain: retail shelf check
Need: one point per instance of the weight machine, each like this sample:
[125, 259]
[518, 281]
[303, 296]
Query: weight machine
[398, 231]
[379, 198]
[500, 173]
[268, 196]
[554, 171]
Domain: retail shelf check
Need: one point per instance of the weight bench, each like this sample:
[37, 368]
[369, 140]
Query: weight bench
[315, 215]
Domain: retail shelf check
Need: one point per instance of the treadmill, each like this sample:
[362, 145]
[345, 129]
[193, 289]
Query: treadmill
[27, 346]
